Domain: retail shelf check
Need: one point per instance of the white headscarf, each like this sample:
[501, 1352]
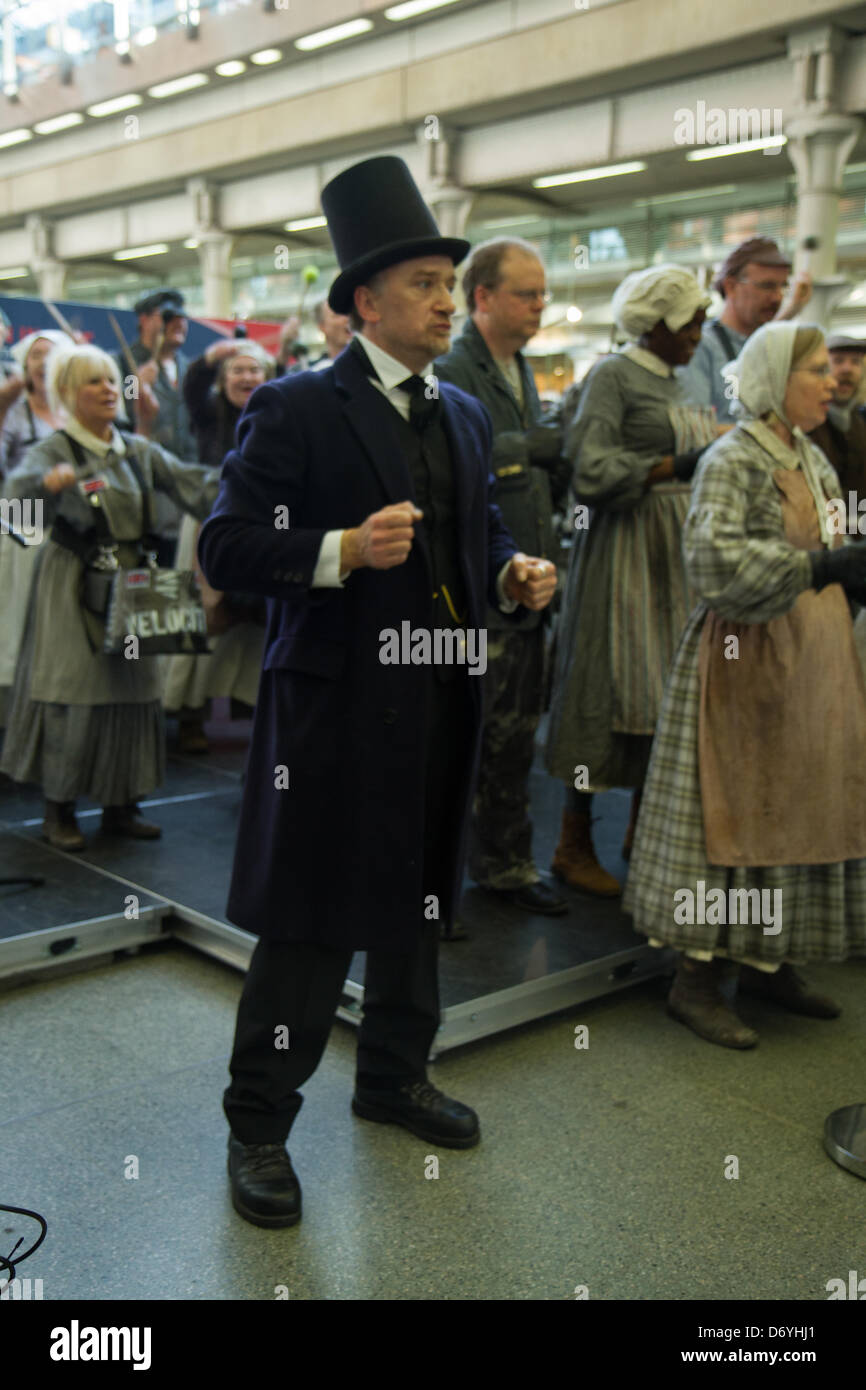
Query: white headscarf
[21, 349]
[759, 377]
[664, 292]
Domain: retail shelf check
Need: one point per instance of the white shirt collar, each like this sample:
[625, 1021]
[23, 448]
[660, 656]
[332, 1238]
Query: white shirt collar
[644, 358]
[391, 372]
[92, 442]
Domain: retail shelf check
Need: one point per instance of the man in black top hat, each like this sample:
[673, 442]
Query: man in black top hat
[357, 500]
[843, 434]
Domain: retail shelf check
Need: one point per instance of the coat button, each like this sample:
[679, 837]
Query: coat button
[389, 716]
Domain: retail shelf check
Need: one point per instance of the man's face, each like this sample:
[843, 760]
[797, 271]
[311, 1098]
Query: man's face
[515, 307]
[149, 327]
[411, 308]
[175, 331]
[757, 293]
[847, 374]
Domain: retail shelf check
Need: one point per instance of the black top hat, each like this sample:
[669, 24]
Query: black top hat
[377, 217]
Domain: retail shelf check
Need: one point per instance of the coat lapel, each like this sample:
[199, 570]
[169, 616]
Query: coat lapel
[364, 412]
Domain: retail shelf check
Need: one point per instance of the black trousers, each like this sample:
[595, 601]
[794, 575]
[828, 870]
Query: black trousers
[297, 985]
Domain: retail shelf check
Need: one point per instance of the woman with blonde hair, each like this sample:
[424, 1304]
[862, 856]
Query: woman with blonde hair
[82, 722]
[750, 849]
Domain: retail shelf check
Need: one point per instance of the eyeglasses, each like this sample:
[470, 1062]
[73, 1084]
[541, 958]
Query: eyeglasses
[528, 296]
[816, 371]
[766, 286]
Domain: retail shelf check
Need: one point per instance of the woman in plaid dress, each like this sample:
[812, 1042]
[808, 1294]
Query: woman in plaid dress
[750, 848]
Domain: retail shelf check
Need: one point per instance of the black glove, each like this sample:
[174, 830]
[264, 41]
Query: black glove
[685, 464]
[845, 566]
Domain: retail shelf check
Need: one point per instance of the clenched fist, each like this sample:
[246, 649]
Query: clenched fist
[382, 541]
[530, 581]
[61, 476]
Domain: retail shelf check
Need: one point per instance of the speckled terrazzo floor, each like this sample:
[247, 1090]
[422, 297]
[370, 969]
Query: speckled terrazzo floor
[602, 1167]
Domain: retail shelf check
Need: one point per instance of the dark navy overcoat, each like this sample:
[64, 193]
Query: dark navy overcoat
[329, 843]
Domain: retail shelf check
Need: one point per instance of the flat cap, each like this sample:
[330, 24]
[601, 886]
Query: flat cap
[840, 342]
[758, 250]
[160, 299]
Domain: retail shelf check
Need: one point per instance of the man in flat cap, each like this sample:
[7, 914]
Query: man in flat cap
[753, 282]
[842, 436]
[357, 501]
[160, 410]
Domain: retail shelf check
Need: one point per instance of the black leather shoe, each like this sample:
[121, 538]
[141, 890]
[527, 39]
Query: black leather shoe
[419, 1107]
[535, 897]
[265, 1188]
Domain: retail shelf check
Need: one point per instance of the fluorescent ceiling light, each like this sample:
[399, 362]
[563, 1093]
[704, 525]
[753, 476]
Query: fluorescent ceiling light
[108, 108]
[178, 84]
[303, 224]
[411, 8]
[511, 221]
[682, 197]
[58, 123]
[15, 137]
[334, 34]
[191, 243]
[266, 55]
[16, 272]
[231, 69]
[157, 249]
[585, 175]
[742, 147]
[145, 36]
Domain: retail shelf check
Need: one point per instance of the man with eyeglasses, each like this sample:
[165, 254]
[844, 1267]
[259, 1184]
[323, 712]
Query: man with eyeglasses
[842, 436]
[505, 291]
[753, 282]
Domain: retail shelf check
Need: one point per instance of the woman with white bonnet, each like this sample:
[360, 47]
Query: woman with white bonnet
[750, 850]
[634, 444]
[83, 723]
[216, 389]
[26, 413]
[26, 416]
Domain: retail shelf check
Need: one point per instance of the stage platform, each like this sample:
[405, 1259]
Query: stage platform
[121, 895]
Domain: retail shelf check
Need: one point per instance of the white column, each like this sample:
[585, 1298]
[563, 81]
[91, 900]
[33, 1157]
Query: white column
[48, 271]
[449, 203]
[215, 259]
[214, 248]
[820, 140]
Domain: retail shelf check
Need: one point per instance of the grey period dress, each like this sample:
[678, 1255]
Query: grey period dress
[626, 600]
[22, 428]
[82, 723]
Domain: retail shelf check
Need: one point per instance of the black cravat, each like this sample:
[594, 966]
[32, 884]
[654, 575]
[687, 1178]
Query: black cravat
[422, 407]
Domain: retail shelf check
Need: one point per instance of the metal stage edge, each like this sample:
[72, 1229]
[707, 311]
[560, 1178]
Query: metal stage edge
[25, 957]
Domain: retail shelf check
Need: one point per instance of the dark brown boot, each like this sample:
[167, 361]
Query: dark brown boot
[696, 1000]
[787, 989]
[574, 859]
[60, 828]
[127, 820]
[191, 737]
